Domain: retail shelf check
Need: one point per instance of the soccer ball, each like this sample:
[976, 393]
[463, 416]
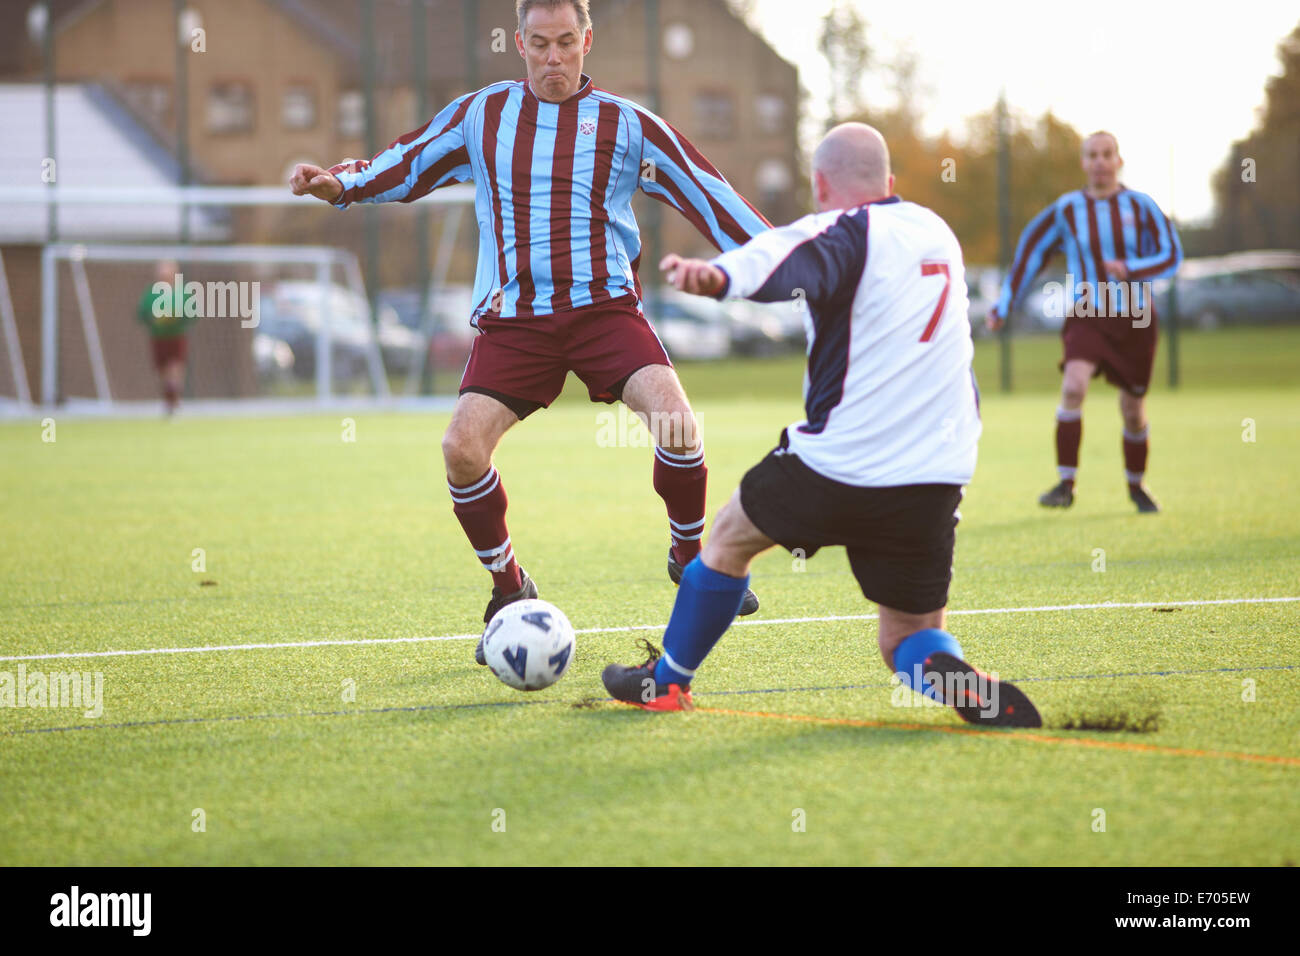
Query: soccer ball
[529, 644]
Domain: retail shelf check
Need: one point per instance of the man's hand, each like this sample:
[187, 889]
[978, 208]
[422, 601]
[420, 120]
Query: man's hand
[1116, 269]
[312, 180]
[693, 275]
[994, 321]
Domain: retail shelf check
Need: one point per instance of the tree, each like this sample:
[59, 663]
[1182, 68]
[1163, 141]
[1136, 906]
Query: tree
[957, 177]
[1257, 190]
[843, 41]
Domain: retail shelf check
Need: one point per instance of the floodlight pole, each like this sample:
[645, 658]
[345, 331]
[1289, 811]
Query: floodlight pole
[420, 79]
[47, 51]
[49, 327]
[1173, 286]
[372, 147]
[182, 96]
[1004, 234]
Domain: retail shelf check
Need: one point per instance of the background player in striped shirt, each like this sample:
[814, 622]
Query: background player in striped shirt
[555, 162]
[1116, 241]
[889, 437]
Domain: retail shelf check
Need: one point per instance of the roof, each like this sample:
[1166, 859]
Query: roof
[97, 144]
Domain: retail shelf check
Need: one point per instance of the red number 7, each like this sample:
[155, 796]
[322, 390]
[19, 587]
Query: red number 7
[934, 269]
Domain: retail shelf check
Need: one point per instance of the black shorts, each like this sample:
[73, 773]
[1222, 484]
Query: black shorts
[899, 539]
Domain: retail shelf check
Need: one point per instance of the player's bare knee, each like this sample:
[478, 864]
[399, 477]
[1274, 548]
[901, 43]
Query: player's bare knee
[1133, 411]
[726, 555]
[676, 431]
[464, 457]
[1073, 392]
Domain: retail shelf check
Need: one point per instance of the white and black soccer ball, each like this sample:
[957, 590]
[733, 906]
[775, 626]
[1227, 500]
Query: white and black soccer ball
[529, 644]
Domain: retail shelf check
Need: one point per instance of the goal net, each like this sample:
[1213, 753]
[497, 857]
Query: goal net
[292, 323]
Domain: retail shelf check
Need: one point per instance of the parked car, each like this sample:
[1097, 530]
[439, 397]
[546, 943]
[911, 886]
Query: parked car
[273, 359]
[983, 286]
[295, 316]
[690, 327]
[443, 326]
[1043, 307]
[1240, 288]
[290, 316]
[766, 328]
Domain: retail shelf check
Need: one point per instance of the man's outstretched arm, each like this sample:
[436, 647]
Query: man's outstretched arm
[816, 259]
[412, 166]
[675, 172]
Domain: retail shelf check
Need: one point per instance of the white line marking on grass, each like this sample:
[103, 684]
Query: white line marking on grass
[212, 648]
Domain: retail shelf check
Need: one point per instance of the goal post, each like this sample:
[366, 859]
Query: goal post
[314, 297]
[13, 373]
[323, 262]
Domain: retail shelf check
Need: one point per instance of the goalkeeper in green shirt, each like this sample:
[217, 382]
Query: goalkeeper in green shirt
[162, 310]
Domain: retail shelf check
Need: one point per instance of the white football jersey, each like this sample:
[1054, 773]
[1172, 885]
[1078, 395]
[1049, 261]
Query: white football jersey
[889, 393]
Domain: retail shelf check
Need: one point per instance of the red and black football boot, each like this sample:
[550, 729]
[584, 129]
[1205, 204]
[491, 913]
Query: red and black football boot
[977, 697]
[637, 685]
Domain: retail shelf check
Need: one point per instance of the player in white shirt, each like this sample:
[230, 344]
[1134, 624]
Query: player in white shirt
[889, 436]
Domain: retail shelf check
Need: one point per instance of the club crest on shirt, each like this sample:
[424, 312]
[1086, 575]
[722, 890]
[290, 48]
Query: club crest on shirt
[587, 127]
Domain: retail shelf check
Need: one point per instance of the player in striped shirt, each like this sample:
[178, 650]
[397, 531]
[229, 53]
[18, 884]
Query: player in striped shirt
[556, 162]
[1116, 242]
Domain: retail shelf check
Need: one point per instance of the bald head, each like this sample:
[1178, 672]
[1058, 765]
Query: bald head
[852, 161]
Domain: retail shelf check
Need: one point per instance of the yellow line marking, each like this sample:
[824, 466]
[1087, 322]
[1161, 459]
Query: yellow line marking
[1015, 735]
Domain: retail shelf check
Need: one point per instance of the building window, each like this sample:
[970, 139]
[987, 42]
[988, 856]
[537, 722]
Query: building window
[298, 106]
[774, 181]
[715, 115]
[678, 41]
[352, 114]
[771, 113]
[230, 107]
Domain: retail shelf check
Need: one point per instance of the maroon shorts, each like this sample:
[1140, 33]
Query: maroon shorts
[522, 361]
[168, 350]
[1124, 354]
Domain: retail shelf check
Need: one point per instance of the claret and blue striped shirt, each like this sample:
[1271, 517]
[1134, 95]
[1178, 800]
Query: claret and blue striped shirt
[554, 186]
[1128, 226]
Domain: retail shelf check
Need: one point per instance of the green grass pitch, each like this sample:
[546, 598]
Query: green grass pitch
[405, 752]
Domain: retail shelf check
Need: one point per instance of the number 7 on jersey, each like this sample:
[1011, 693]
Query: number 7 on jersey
[934, 269]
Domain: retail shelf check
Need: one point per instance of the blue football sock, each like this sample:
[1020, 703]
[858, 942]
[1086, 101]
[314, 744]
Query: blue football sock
[910, 655]
[707, 603]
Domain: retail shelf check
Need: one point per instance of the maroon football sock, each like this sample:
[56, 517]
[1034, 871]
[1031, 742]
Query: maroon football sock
[480, 507]
[682, 482]
[1136, 446]
[1069, 435]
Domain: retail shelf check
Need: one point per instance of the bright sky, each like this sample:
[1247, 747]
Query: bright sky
[1177, 82]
